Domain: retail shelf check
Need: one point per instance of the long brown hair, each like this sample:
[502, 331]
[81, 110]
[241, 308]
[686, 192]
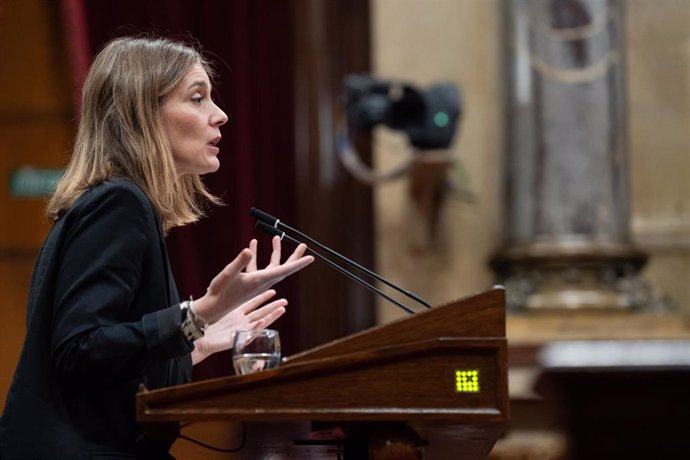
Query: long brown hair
[121, 133]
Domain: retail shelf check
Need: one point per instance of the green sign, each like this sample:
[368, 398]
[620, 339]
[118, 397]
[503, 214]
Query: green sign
[29, 182]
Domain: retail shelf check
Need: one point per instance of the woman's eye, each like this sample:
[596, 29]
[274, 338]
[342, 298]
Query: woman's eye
[197, 99]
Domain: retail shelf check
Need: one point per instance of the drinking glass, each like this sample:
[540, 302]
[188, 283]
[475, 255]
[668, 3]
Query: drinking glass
[255, 350]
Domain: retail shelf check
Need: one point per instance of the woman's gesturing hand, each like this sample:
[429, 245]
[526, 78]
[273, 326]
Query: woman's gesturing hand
[250, 315]
[240, 280]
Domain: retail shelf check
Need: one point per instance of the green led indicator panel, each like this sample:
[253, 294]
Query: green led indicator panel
[467, 380]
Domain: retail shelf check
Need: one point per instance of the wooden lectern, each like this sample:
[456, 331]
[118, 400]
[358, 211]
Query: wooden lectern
[433, 384]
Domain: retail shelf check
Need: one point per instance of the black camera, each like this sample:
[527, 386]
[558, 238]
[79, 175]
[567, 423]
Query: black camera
[428, 117]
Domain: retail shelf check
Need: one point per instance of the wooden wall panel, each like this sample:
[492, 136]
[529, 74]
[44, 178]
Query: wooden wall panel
[36, 128]
[15, 273]
[38, 143]
[331, 41]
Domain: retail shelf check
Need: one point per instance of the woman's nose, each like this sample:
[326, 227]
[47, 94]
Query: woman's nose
[219, 117]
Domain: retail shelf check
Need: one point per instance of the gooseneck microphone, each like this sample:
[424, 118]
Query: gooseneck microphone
[273, 226]
[264, 227]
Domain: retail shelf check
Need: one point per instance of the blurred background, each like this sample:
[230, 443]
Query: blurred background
[566, 176]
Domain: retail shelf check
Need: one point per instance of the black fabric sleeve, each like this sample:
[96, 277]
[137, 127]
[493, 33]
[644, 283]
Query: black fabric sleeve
[96, 336]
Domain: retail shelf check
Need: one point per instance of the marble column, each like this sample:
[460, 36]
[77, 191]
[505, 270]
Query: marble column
[567, 237]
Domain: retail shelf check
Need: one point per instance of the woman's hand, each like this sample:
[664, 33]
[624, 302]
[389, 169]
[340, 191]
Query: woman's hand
[240, 281]
[248, 316]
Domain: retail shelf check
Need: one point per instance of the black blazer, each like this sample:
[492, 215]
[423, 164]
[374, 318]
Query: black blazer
[103, 317]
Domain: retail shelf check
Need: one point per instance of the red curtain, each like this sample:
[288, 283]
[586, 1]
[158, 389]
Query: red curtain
[78, 44]
[251, 42]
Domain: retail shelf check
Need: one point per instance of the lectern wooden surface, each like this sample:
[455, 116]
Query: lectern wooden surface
[401, 374]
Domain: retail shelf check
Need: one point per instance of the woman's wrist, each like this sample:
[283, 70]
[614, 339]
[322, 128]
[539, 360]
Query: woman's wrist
[199, 353]
[202, 308]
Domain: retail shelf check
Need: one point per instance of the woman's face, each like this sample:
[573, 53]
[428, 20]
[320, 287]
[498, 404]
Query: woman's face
[192, 123]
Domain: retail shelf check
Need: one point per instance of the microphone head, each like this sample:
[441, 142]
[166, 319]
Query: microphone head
[264, 227]
[262, 216]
